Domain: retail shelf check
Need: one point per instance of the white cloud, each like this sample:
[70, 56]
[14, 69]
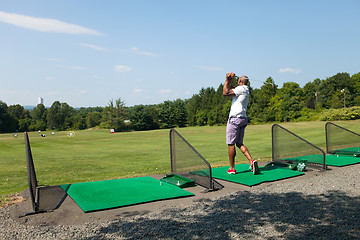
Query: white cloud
[138, 90]
[120, 68]
[49, 78]
[210, 68]
[136, 51]
[73, 67]
[165, 91]
[98, 77]
[289, 70]
[45, 24]
[146, 53]
[92, 46]
[77, 67]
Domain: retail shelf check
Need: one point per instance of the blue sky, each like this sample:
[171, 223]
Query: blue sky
[86, 53]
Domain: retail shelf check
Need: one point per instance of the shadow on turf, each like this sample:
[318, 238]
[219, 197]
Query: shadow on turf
[247, 215]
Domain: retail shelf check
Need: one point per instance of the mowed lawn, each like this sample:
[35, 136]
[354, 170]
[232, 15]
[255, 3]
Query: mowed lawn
[97, 154]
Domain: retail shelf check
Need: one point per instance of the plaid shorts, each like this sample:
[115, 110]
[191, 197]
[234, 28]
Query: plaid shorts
[235, 130]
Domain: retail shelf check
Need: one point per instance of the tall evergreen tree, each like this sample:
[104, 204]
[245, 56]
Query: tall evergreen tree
[142, 118]
[114, 115]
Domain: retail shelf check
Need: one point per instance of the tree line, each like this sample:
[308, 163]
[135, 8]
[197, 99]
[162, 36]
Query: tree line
[269, 103]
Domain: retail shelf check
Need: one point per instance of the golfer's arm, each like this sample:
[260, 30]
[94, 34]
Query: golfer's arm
[228, 89]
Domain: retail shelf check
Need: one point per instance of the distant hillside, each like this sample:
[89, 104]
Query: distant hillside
[29, 107]
[32, 107]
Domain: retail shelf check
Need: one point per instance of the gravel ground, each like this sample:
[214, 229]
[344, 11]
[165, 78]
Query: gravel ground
[324, 206]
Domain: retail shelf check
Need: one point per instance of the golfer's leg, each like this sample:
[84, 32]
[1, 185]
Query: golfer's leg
[231, 135]
[232, 154]
[245, 151]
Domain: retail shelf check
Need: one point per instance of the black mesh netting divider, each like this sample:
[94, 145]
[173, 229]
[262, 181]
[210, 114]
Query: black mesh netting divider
[340, 140]
[288, 147]
[43, 198]
[32, 181]
[188, 162]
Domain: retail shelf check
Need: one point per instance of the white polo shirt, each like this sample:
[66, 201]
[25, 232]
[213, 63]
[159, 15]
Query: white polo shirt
[239, 101]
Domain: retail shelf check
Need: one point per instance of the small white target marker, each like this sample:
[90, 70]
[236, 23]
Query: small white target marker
[71, 134]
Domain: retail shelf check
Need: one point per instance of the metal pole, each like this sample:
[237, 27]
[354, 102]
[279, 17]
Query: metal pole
[343, 90]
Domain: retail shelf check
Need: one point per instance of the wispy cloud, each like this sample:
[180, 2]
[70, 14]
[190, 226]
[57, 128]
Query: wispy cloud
[72, 67]
[138, 90]
[165, 91]
[210, 68]
[135, 50]
[45, 24]
[121, 68]
[289, 70]
[76, 67]
[49, 78]
[98, 77]
[92, 46]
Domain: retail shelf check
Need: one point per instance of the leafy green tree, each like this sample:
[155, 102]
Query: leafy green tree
[337, 100]
[7, 123]
[39, 113]
[79, 121]
[208, 107]
[201, 117]
[333, 86]
[166, 115]
[60, 116]
[53, 116]
[19, 114]
[288, 102]
[355, 79]
[88, 110]
[24, 124]
[172, 114]
[193, 105]
[180, 113]
[311, 91]
[39, 118]
[221, 108]
[114, 115]
[143, 118]
[93, 119]
[259, 107]
[67, 117]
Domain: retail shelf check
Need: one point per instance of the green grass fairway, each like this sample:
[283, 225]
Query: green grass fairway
[100, 195]
[96, 154]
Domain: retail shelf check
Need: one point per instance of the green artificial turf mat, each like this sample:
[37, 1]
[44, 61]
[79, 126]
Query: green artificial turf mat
[99, 195]
[354, 151]
[331, 160]
[178, 180]
[246, 177]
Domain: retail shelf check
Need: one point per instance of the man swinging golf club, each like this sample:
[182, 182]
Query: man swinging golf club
[237, 121]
